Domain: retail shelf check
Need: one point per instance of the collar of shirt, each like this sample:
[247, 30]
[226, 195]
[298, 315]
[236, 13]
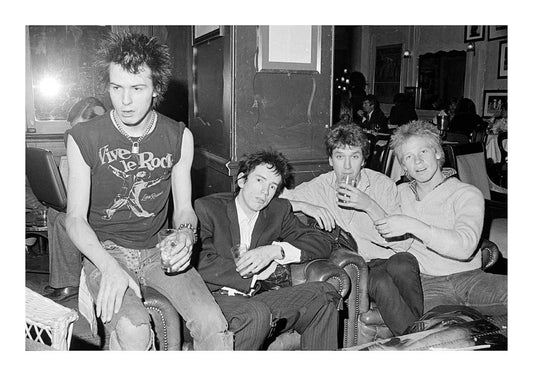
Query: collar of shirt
[246, 225]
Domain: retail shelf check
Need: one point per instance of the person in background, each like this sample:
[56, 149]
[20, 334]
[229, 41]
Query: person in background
[403, 111]
[393, 279]
[373, 118]
[64, 257]
[111, 159]
[358, 94]
[444, 218]
[255, 291]
[465, 120]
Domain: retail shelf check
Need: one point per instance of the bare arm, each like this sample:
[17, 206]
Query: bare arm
[114, 279]
[183, 210]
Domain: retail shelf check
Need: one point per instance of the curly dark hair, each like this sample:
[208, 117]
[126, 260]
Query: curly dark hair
[132, 51]
[273, 159]
[347, 135]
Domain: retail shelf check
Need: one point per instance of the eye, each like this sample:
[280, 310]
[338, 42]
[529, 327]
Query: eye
[138, 88]
[113, 87]
[273, 187]
[338, 156]
[356, 156]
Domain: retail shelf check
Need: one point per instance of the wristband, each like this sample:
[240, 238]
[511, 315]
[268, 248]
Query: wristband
[190, 227]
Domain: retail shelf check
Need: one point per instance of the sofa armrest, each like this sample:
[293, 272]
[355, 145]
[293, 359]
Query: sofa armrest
[321, 270]
[489, 253]
[357, 301]
[167, 322]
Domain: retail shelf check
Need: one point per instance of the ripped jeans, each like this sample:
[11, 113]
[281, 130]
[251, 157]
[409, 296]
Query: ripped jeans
[186, 291]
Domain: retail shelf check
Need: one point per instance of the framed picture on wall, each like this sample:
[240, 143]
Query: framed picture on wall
[497, 32]
[289, 48]
[474, 33]
[203, 33]
[493, 100]
[502, 60]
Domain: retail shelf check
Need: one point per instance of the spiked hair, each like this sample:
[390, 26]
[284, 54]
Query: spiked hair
[132, 52]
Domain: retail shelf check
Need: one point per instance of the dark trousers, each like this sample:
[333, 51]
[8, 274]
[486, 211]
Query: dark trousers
[394, 284]
[65, 259]
[309, 308]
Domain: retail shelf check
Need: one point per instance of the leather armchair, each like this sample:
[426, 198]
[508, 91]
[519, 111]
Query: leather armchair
[370, 325]
[171, 335]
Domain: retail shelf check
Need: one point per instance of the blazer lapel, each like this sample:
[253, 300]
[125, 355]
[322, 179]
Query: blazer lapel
[233, 223]
[259, 228]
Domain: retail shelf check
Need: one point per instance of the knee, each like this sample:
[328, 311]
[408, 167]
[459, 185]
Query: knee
[402, 264]
[130, 336]
[255, 317]
[379, 282]
[211, 321]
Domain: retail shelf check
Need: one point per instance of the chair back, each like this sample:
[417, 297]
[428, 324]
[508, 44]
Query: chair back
[44, 177]
[379, 151]
[503, 150]
[469, 162]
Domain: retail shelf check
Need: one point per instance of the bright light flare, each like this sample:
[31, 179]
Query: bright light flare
[49, 87]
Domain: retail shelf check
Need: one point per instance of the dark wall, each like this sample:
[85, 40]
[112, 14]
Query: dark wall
[237, 110]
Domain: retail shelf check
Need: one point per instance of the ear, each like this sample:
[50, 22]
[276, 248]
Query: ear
[240, 180]
[330, 161]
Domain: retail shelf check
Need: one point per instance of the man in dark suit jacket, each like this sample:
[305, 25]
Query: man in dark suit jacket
[254, 291]
[373, 117]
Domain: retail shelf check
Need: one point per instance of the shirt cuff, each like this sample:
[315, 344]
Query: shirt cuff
[292, 254]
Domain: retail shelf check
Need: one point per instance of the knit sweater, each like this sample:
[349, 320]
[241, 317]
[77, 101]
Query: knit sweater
[454, 211]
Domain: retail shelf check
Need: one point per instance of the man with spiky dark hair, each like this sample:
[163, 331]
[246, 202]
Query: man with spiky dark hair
[122, 167]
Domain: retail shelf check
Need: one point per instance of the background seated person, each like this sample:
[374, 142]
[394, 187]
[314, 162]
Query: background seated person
[393, 281]
[254, 292]
[403, 110]
[444, 216]
[465, 119]
[373, 118]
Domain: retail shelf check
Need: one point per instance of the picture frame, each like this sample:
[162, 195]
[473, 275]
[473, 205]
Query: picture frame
[502, 60]
[204, 33]
[497, 32]
[493, 101]
[289, 48]
[474, 33]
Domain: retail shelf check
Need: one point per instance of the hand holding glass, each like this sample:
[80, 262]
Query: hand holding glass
[347, 178]
[167, 239]
[237, 251]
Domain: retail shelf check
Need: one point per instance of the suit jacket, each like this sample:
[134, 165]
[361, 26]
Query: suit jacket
[219, 231]
[377, 118]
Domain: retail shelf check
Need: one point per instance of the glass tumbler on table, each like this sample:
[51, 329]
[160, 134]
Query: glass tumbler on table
[167, 239]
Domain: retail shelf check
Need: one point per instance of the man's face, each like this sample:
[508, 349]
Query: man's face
[367, 106]
[347, 160]
[419, 159]
[131, 94]
[258, 188]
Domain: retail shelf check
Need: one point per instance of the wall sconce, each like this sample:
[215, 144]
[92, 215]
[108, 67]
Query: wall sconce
[407, 54]
[471, 47]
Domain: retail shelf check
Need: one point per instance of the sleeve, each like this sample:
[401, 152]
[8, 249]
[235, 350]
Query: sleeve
[309, 240]
[306, 192]
[461, 241]
[217, 270]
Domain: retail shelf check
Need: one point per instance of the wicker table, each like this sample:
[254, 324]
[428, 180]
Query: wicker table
[47, 322]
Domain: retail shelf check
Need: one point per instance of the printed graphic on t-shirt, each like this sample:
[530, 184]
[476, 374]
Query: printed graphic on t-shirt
[134, 170]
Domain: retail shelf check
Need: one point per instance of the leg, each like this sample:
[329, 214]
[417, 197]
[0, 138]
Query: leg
[248, 319]
[438, 290]
[65, 259]
[310, 309]
[191, 298]
[483, 291]
[383, 289]
[405, 272]
[129, 328]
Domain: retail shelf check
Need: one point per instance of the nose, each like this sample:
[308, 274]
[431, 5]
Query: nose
[347, 164]
[126, 97]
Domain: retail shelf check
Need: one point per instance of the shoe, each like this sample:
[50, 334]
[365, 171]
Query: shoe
[61, 294]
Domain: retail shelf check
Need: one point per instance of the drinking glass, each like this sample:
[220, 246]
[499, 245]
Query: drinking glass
[167, 242]
[237, 251]
[347, 178]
